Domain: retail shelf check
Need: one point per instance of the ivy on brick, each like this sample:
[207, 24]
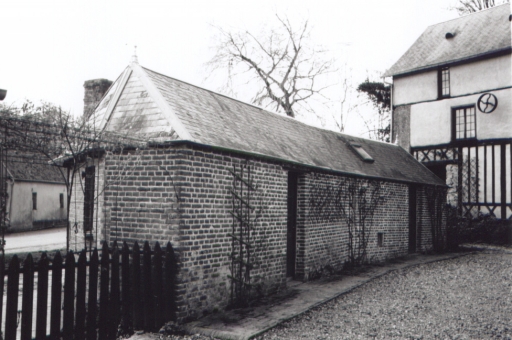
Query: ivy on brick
[354, 201]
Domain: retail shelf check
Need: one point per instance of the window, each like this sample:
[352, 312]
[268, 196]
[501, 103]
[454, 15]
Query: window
[61, 199]
[464, 123]
[380, 239]
[34, 201]
[443, 82]
[358, 149]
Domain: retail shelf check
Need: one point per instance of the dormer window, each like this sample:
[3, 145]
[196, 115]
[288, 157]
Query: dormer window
[358, 149]
[443, 82]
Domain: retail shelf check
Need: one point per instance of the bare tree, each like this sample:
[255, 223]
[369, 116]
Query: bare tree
[348, 103]
[46, 134]
[470, 6]
[282, 61]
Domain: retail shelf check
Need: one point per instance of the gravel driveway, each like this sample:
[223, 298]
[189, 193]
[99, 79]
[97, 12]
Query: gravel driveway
[464, 298]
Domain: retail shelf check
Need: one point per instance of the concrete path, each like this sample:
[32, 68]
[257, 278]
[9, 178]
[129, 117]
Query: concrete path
[248, 323]
[33, 241]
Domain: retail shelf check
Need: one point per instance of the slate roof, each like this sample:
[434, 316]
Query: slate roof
[475, 35]
[28, 168]
[197, 115]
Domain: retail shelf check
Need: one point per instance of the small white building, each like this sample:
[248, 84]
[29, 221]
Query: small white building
[36, 194]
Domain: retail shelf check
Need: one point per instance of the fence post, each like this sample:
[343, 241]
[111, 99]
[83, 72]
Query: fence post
[56, 296]
[28, 296]
[104, 282]
[92, 307]
[114, 294]
[11, 311]
[69, 296]
[138, 320]
[170, 282]
[125, 300]
[147, 285]
[158, 287]
[42, 297]
[80, 296]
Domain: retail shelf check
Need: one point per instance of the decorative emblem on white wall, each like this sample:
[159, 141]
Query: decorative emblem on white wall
[487, 103]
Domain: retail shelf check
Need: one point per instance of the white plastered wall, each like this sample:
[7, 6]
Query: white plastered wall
[479, 76]
[431, 121]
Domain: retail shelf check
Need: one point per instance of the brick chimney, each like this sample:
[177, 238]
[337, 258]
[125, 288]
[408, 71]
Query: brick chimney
[94, 91]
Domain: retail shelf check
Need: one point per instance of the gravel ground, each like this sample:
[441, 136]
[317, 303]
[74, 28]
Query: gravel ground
[465, 298]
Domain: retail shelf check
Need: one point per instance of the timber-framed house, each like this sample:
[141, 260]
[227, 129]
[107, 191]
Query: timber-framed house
[452, 108]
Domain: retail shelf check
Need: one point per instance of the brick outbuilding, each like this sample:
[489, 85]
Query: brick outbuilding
[248, 198]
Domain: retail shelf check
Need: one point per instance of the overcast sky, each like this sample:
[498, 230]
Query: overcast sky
[49, 48]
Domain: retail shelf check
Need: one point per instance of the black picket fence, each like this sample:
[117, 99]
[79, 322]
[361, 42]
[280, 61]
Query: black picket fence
[136, 292]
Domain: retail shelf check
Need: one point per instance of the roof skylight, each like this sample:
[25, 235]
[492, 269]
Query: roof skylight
[365, 156]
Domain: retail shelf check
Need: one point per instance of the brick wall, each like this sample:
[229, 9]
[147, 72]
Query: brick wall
[205, 203]
[322, 236]
[181, 195]
[141, 197]
[321, 232]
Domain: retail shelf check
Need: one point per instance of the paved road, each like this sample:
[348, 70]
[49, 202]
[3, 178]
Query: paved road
[31, 241]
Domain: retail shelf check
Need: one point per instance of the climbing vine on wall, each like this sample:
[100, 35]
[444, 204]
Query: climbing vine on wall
[352, 200]
[361, 199]
[246, 209]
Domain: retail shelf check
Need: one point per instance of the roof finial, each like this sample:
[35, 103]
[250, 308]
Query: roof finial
[135, 60]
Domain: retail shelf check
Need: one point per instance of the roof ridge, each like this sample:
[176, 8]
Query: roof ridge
[469, 14]
[222, 123]
[279, 115]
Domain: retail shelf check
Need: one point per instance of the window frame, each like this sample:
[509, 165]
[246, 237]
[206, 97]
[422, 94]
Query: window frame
[361, 152]
[443, 78]
[454, 123]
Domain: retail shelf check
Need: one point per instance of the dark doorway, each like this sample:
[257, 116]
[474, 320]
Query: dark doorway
[439, 170]
[89, 197]
[291, 242]
[412, 219]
